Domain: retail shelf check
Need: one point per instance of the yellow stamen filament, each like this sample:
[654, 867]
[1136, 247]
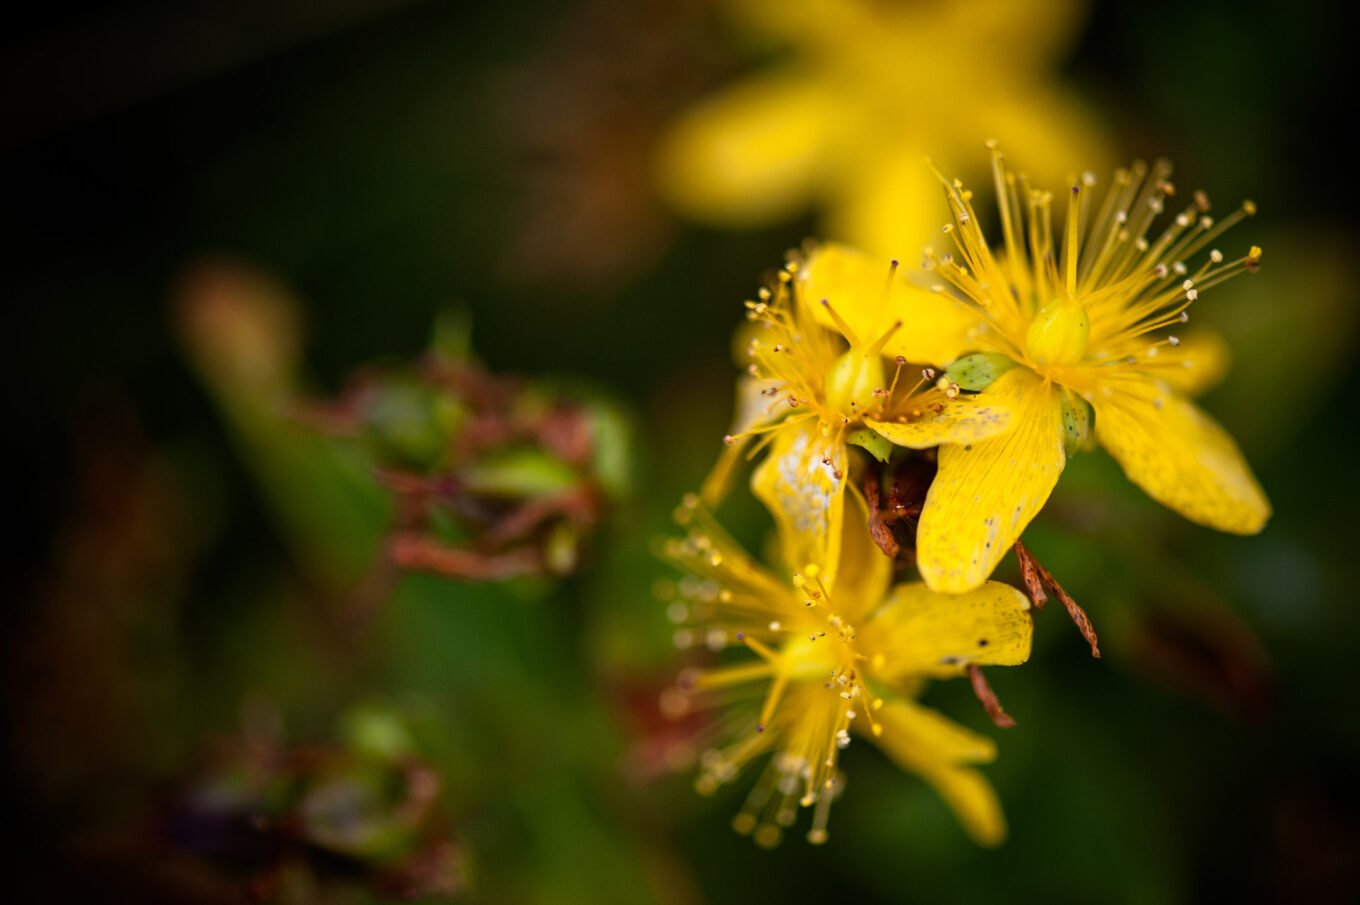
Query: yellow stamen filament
[1127, 285]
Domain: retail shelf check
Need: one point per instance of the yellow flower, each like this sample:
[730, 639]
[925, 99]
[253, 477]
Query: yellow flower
[818, 382]
[865, 91]
[834, 658]
[1073, 321]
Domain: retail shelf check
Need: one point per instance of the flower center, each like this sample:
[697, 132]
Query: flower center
[1059, 334]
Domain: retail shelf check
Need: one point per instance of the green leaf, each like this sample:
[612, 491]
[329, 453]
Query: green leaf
[875, 444]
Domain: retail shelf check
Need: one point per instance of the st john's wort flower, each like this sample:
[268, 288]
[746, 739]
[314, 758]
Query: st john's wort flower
[818, 383]
[1073, 325]
[829, 659]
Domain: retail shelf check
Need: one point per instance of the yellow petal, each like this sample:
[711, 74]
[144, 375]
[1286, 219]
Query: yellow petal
[798, 483]
[749, 156]
[966, 419]
[753, 409]
[1196, 365]
[935, 327]
[890, 204]
[1008, 27]
[939, 738]
[865, 571]
[925, 743]
[986, 493]
[1181, 457]
[923, 632]
[808, 22]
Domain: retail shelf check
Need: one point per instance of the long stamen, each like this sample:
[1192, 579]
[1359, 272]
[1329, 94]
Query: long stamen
[841, 324]
[1070, 240]
[1005, 194]
[877, 347]
[897, 373]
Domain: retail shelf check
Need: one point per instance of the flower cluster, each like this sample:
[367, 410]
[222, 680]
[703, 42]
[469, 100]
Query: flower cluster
[904, 424]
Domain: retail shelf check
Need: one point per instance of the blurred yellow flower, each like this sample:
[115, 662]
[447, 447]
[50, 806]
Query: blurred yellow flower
[1065, 322]
[868, 89]
[818, 383]
[834, 658]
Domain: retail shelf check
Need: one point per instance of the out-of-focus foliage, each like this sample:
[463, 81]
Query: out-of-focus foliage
[309, 823]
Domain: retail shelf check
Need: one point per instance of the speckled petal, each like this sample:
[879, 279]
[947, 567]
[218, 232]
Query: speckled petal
[798, 482]
[923, 632]
[1181, 457]
[986, 493]
[966, 419]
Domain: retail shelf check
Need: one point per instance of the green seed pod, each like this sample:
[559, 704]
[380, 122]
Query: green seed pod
[873, 443]
[977, 371]
[1076, 419]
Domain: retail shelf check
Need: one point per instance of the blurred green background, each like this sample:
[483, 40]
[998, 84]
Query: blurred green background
[181, 566]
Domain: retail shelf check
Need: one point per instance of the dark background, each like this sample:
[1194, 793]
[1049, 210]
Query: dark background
[386, 160]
